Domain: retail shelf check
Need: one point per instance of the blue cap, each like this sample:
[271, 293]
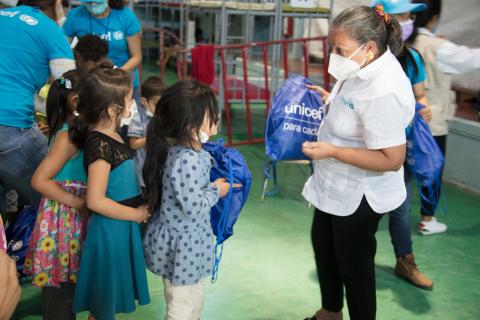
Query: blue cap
[399, 6]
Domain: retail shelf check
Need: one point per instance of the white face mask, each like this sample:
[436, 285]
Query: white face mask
[343, 68]
[133, 110]
[203, 137]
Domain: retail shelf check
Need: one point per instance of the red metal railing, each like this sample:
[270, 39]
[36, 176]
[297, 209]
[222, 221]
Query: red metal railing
[182, 70]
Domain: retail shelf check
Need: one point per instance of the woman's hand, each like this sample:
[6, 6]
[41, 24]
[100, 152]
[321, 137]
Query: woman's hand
[224, 186]
[323, 93]
[318, 150]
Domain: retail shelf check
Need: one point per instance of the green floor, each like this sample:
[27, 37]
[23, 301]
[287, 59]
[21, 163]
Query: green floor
[268, 272]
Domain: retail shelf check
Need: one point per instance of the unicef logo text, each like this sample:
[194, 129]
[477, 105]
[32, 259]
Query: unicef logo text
[302, 110]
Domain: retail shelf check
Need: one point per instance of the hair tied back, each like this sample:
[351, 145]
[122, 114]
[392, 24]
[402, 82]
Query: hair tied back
[380, 11]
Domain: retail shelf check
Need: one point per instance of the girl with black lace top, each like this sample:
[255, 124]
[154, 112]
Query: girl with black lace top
[112, 270]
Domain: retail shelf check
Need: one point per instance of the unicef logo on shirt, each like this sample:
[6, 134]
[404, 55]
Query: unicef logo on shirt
[118, 35]
[28, 19]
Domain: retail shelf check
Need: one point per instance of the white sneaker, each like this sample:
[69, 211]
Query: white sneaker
[431, 227]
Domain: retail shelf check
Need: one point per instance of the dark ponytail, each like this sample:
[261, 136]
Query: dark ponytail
[99, 89]
[179, 114]
[59, 110]
[365, 24]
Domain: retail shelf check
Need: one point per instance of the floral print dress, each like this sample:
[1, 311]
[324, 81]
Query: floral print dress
[54, 249]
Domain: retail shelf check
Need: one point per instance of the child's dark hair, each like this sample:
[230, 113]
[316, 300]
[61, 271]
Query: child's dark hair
[116, 4]
[153, 86]
[179, 114]
[58, 108]
[99, 89]
[422, 18]
[90, 48]
[406, 58]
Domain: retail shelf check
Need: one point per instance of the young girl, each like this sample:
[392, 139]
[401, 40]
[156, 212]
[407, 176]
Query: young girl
[112, 271]
[178, 241]
[53, 258]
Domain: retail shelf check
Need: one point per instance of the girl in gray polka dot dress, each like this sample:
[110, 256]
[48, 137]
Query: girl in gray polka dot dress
[178, 241]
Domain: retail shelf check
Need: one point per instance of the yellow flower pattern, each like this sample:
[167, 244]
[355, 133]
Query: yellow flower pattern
[41, 279]
[48, 244]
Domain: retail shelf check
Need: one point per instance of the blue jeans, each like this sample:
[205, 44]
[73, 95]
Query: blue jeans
[21, 151]
[399, 224]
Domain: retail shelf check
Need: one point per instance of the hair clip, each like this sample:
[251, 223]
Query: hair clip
[75, 113]
[380, 11]
[66, 83]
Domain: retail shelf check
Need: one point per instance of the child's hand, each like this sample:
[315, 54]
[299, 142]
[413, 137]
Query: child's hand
[44, 128]
[224, 186]
[143, 214]
[81, 203]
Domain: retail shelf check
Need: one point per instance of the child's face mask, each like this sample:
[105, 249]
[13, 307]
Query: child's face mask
[127, 120]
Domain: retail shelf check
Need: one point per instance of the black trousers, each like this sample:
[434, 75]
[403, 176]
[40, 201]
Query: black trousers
[345, 250]
[428, 208]
[58, 302]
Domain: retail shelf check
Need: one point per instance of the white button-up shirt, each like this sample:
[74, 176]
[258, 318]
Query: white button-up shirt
[369, 110]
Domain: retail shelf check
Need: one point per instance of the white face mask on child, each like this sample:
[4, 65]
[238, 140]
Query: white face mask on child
[203, 137]
[133, 110]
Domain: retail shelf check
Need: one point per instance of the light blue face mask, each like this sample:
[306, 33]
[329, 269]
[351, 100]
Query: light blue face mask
[96, 8]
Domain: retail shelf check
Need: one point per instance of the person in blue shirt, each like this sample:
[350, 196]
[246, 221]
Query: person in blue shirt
[115, 23]
[399, 219]
[32, 47]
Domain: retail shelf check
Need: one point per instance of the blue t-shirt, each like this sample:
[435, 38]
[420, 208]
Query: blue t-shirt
[115, 28]
[420, 75]
[28, 41]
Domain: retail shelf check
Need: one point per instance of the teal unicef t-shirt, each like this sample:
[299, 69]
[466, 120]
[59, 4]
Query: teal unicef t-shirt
[420, 75]
[28, 41]
[115, 28]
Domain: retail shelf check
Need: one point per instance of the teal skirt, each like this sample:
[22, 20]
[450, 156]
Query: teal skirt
[112, 269]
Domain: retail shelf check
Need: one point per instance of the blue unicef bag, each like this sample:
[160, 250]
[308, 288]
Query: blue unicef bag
[228, 164]
[424, 158]
[294, 118]
[18, 237]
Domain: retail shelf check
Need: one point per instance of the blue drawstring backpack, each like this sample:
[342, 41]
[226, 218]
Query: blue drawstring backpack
[228, 164]
[424, 158]
[294, 118]
[18, 236]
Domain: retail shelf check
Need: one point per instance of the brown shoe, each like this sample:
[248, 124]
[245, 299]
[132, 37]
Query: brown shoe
[323, 314]
[406, 269]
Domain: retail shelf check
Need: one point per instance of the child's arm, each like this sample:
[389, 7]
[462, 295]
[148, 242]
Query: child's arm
[42, 181]
[97, 201]
[137, 143]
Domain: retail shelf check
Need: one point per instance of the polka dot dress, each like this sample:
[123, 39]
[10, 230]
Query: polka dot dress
[178, 242]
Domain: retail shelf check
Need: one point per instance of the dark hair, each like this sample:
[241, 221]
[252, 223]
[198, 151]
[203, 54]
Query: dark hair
[153, 86]
[58, 109]
[99, 89]
[422, 18]
[89, 51]
[406, 58]
[180, 111]
[364, 24]
[116, 4]
[43, 5]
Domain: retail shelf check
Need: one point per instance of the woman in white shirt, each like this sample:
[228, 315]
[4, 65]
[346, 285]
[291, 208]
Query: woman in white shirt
[358, 173]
